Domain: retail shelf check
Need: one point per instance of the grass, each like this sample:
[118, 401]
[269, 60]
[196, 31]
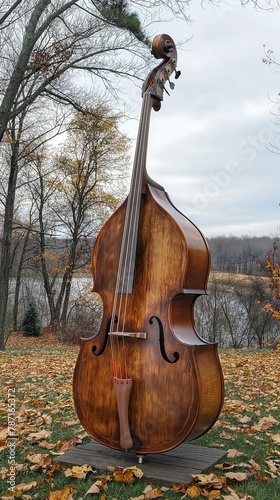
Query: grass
[47, 424]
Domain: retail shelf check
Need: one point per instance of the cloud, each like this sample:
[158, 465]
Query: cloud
[209, 144]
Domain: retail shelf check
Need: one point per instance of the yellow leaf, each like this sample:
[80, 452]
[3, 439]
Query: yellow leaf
[193, 491]
[65, 494]
[214, 494]
[126, 474]
[209, 480]
[154, 493]
[80, 472]
[136, 471]
[273, 466]
[123, 476]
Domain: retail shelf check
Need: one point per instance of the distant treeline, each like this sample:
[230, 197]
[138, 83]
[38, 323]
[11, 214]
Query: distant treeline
[240, 255]
[233, 313]
[229, 254]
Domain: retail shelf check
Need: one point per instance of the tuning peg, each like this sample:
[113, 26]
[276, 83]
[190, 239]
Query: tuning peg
[171, 85]
[177, 74]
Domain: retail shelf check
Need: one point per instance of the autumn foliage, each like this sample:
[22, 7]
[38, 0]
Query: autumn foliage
[273, 268]
[41, 374]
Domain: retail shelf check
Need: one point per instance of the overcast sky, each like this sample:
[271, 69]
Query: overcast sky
[209, 144]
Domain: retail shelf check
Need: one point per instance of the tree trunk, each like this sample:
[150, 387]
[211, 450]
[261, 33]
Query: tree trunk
[20, 67]
[64, 313]
[7, 241]
[18, 281]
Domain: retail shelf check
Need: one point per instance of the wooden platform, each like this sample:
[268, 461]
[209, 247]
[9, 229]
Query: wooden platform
[174, 466]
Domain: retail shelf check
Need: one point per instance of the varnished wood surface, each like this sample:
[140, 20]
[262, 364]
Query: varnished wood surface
[171, 467]
[169, 402]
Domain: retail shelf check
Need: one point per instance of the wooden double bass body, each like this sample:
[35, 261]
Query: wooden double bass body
[147, 381]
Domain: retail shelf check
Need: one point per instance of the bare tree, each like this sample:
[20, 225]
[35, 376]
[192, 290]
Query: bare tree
[78, 198]
[47, 49]
[233, 314]
[76, 40]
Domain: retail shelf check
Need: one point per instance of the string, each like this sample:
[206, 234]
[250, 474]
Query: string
[124, 282]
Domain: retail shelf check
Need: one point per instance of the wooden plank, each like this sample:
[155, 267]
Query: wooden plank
[170, 467]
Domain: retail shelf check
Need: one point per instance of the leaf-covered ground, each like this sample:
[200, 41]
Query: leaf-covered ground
[38, 422]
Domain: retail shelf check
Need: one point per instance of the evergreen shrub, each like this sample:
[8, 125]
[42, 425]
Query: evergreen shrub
[31, 324]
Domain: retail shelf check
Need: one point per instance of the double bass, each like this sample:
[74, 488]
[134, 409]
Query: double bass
[147, 381]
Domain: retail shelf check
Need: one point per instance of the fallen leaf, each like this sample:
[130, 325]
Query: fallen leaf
[276, 438]
[65, 494]
[236, 476]
[4, 432]
[67, 444]
[193, 491]
[254, 465]
[234, 496]
[234, 453]
[95, 488]
[147, 489]
[36, 436]
[244, 420]
[227, 435]
[273, 466]
[264, 479]
[154, 493]
[124, 476]
[137, 472]
[79, 472]
[214, 494]
[264, 424]
[225, 466]
[40, 460]
[47, 419]
[47, 445]
[25, 486]
[210, 480]
[216, 445]
[180, 487]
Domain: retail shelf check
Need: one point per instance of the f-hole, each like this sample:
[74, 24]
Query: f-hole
[161, 342]
[94, 347]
